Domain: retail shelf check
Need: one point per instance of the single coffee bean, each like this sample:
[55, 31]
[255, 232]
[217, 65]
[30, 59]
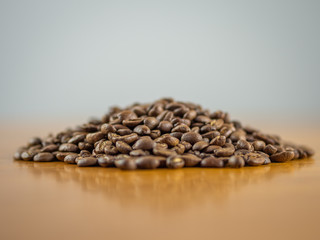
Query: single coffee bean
[123, 147]
[106, 161]
[132, 122]
[144, 143]
[176, 134]
[237, 135]
[217, 124]
[147, 162]
[202, 119]
[77, 138]
[190, 160]
[270, 149]
[199, 146]
[155, 134]
[125, 164]
[255, 159]
[71, 158]
[175, 162]
[85, 153]
[94, 137]
[151, 122]
[61, 155]
[142, 130]
[165, 126]
[34, 141]
[224, 152]
[192, 114]
[179, 149]
[191, 137]
[106, 128]
[258, 145]
[243, 144]
[186, 145]
[124, 131]
[236, 162]
[219, 141]
[211, 148]
[68, 147]
[212, 162]
[282, 156]
[211, 135]
[85, 146]
[126, 115]
[163, 152]
[50, 148]
[138, 153]
[43, 157]
[110, 150]
[87, 161]
[183, 128]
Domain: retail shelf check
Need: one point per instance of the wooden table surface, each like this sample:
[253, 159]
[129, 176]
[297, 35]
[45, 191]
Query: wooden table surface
[60, 201]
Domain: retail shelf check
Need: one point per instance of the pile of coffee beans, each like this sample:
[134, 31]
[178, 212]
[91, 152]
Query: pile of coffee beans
[163, 134]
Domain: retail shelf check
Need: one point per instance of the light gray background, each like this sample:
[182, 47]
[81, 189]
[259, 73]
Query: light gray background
[77, 58]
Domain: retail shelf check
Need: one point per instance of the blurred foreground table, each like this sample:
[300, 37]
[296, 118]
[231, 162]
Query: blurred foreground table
[59, 201]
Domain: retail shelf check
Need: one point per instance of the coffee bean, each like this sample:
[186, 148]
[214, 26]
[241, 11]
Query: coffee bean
[190, 160]
[175, 162]
[61, 155]
[176, 134]
[198, 146]
[71, 158]
[107, 128]
[186, 145]
[125, 164]
[211, 148]
[43, 157]
[163, 152]
[224, 152]
[77, 138]
[181, 128]
[255, 159]
[142, 130]
[144, 143]
[192, 114]
[165, 126]
[219, 141]
[179, 149]
[85, 146]
[282, 156]
[258, 145]
[217, 124]
[270, 149]
[85, 153]
[147, 162]
[123, 147]
[110, 150]
[202, 119]
[236, 162]
[87, 161]
[212, 162]
[243, 144]
[68, 147]
[34, 141]
[50, 148]
[191, 137]
[238, 135]
[138, 153]
[210, 135]
[106, 161]
[151, 122]
[132, 122]
[168, 139]
[155, 134]
[94, 137]
[124, 131]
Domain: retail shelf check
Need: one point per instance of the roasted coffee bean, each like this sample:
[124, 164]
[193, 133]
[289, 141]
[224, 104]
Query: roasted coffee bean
[50, 148]
[202, 119]
[142, 130]
[270, 149]
[211, 148]
[138, 153]
[147, 162]
[192, 114]
[219, 141]
[243, 144]
[85, 146]
[94, 137]
[144, 143]
[255, 159]
[132, 122]
[175, 162]
[190, 160]
[187, 145]
[236, 162]
[217, 124]
[77, 138]
[163, 152]
[34, 141]
[107, 128]
[168, 139]
[68, 147]
[179, 149]
[61, 155]
[43, 157]
[84, 153]
[224, 152]
[100, 145]
[17, 154]
[258, 145]
[210, 135]
[165, 126]
[106, 161]
[87, 161]
[198, 146]
[238, 135]
[151, 122]
[282, 156]
[191, 137]
[125, 164]
[212, 162]
[126, 115]
[110, 150]
[71, 158]
[181, 128]
[176, 134]
[123, 147]
[226, 131]
[124, 131]
[155, 134]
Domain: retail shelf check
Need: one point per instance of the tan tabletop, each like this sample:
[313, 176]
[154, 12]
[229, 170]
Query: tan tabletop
[60, 201]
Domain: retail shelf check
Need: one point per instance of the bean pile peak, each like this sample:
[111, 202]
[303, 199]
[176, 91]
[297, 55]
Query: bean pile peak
[163, 134]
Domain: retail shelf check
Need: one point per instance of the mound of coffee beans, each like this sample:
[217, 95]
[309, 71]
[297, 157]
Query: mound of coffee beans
[163, 134]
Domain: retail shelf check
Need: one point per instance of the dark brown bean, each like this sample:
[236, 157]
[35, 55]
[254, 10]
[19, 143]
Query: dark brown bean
[270, 149]
[71, 158]
[191, 137]
[94, 137]
[165, 126]
[282, 156]
[181, 128]
[219, 141]
[210, 135]
[43, 157]
[125, 164]
[243, 144]
[142, 130]
[175, 162]
[138, 153]
[212, 162]
[106, 128]
[258, 145]
[68, 147]
[77, 138]
[50, 148]
[123, 147]
[87, 161]
[192, 114]
[190, 160]
[151, 122]
[255, 159]
[199, 146]
[144, 143]
[106, 161]
[147, 162]
[132, 122]
[236, 162]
